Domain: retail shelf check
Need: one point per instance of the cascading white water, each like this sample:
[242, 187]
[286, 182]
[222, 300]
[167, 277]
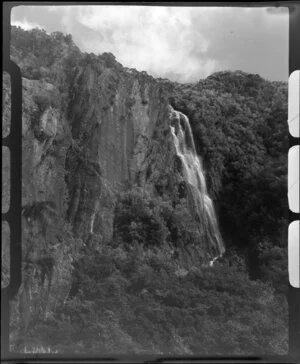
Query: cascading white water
[194, 174]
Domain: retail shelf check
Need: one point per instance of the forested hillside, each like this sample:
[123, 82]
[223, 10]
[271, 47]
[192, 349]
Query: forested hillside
[120, 249]
[240, 128]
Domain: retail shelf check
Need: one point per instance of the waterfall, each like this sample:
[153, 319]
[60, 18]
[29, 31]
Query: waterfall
[194, 176]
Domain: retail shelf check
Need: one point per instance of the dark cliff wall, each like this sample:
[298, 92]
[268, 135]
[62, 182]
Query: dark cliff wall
[114, 116]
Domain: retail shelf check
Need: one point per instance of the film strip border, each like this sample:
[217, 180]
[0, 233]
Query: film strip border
[13, 142]
[293, 179]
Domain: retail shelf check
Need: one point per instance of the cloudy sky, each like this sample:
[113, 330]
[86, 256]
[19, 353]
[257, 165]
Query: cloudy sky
[180, 43]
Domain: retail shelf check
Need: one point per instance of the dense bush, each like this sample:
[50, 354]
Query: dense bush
[138, 220]
[240, 129]
[155, 222]
[124, 305]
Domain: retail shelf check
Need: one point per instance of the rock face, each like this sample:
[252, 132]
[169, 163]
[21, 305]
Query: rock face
[113, 118]
[93, 129]
[122, 137]
[110, 130]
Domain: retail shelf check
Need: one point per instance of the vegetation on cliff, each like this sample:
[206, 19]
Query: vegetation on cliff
[140, 302]
[140, 291]
[240, 128]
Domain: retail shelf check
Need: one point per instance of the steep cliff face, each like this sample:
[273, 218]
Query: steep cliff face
[113, 117]
[45, 139]
[46, 241]
[92, 129]
[122, 137]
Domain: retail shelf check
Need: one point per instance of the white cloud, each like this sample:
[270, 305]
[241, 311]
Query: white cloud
[155, 39]
[183, 43]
